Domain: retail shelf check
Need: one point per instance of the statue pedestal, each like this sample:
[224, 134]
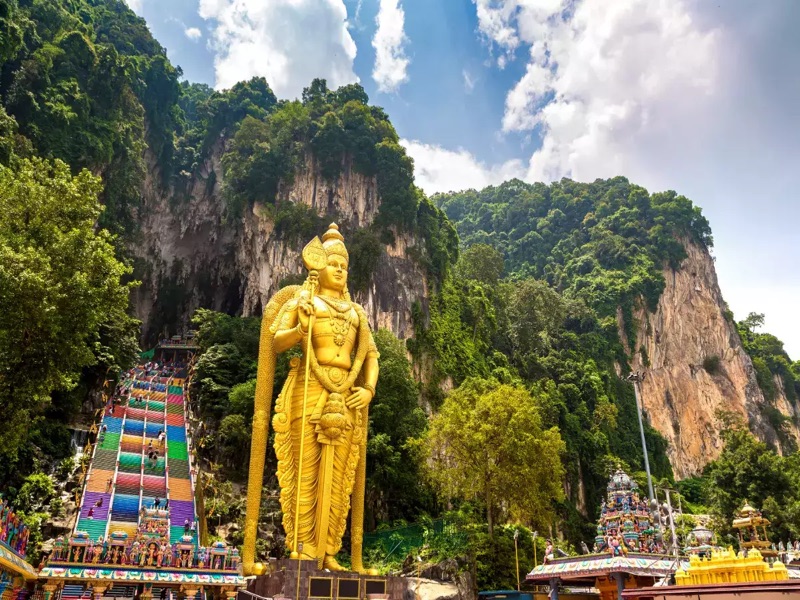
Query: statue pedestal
[317, 584]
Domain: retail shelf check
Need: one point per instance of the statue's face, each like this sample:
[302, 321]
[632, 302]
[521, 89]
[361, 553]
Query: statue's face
[334, 276]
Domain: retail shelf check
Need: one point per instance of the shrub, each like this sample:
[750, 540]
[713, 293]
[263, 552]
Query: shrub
[711, 364]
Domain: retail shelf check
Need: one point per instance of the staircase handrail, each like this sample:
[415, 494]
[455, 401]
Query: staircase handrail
[116, 470]
[166, 461]
[85, 481]
[141, 456]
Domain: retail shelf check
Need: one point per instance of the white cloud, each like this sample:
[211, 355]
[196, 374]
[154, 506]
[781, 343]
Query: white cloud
[357, 13]
[290, 42]
[603, 79]
[469, 81]
[135, 6]
[193, 33]
[439, 170]
[391, 62]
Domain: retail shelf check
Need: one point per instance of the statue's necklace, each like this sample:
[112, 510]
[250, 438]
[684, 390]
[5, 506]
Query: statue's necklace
[342, 318]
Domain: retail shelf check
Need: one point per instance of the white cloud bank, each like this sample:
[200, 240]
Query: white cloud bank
[193, 33]
[604, 80]
[391, 63]
[440, 170]
[290, 42]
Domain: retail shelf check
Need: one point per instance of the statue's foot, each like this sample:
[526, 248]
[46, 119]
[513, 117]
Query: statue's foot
[331, 564]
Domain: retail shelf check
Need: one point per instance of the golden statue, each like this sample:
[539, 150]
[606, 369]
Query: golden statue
[321, 413]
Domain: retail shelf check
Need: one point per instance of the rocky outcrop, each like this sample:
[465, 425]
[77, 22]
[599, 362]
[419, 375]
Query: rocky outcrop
[788, 409]
[192, 256]
[696, 366]
[449, 579]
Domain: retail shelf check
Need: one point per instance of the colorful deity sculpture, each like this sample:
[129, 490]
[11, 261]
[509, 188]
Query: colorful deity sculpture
[625, 523]
[321, 413]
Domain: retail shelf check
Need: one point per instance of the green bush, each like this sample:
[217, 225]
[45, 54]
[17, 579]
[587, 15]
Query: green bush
[712, 364]
[365, 251]
[297, 223]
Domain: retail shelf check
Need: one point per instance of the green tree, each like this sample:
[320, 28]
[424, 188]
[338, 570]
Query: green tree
[482, 263]
[747, 470]
[234, 440]
[35, 494]
[241, 399]
[394, 483]
[487, 442]
[60, 281]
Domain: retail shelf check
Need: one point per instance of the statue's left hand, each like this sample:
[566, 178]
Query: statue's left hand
[360, 398]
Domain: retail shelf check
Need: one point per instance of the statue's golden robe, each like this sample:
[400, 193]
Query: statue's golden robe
[330, 427]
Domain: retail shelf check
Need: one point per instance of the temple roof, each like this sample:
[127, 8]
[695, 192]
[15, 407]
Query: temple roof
[579, 567]
[136, 575]
[11, 561]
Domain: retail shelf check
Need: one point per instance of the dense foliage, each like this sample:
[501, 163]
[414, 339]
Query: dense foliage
[81, 78]
[749, 471]
[524, 332]
[604, 242]
[62, 303]
[775, 372]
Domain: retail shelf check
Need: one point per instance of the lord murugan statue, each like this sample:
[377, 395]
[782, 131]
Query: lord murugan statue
[320, 419]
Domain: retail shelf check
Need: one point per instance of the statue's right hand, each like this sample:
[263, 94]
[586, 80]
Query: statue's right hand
[305, 308]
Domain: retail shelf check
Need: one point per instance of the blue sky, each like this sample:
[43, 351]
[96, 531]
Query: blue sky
[698, 96]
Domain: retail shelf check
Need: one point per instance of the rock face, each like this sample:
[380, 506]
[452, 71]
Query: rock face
[696, 366]
[191, 256]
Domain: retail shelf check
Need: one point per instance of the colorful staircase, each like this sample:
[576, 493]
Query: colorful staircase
[156, 405]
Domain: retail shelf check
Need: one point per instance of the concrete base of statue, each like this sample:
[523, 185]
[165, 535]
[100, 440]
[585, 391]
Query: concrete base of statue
[281, 581]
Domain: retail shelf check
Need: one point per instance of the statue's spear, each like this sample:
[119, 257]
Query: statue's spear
[357, 511]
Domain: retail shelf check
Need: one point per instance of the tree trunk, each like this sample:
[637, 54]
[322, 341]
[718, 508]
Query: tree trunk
[489, 514]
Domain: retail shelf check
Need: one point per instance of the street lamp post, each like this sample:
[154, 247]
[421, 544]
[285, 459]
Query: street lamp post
[516, 554]
[636, 378]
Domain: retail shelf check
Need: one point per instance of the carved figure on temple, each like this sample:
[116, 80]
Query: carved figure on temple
[320, 419]
[624, 522]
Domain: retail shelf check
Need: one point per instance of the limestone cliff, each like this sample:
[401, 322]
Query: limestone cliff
[191, 256]
[696, 366]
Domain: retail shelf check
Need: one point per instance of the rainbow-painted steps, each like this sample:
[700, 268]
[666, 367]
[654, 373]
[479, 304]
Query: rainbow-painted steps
[94, 528]
[126, 508]
[99, 513]
[157, 406]
[104, 459]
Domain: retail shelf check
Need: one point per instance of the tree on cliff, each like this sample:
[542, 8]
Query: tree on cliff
[487, 443]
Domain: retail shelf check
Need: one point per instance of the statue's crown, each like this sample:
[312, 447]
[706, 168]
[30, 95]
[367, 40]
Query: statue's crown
[333, 241]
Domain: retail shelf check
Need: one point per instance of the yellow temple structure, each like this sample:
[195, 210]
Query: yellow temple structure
[729, 567]
[720, 574]
[752, 529]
